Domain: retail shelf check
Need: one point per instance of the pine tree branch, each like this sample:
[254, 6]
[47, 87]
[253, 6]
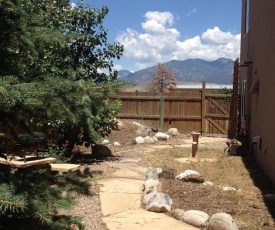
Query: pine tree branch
[10, 203]
[42, 218]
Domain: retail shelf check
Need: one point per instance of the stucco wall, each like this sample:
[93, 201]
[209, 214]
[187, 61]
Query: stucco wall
[258, 49]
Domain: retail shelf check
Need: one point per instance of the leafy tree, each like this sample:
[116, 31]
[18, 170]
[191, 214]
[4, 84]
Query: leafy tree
[163, 80]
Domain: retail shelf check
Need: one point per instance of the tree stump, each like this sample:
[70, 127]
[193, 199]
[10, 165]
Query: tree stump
[169, 173]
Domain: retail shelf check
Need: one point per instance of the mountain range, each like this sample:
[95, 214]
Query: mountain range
[189, 70]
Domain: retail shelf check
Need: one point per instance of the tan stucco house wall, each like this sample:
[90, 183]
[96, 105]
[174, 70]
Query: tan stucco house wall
[257, 81]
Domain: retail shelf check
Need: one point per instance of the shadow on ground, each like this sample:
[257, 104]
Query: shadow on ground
[260, 180]
[99, 153]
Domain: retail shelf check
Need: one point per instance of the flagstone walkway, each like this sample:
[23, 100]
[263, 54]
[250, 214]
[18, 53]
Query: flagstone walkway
[121, 194]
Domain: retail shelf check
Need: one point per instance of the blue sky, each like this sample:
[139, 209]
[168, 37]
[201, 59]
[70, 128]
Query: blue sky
[162, 30]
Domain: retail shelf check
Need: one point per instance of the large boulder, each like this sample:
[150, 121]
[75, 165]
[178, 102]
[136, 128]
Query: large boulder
[101, 151]
[222, 221]
[152, 185]
[162, 136]
[151, 173]
[159, 202]
[147, 197]
[190, 176]
[196, 218]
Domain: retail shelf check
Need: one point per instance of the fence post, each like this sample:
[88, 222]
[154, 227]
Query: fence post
[161, 110]
[203, 109]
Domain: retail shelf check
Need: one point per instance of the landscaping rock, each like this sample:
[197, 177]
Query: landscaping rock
[105, 141]
[227, 188]
[149, 139]
[101, 151]
[119, 125]
[152, 185]
[137, 124]
[147, 197]
[190, 176]
[139, 140]
[173, 132]
[208, 183]
[151, 173]
[178, 214]
[159, 171]
[116, 144]
[162, 136]
[222, 221]
[196, 218]
[159, 202]
[143, 131]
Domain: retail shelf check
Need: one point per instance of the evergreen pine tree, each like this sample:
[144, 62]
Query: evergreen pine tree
[51, 54]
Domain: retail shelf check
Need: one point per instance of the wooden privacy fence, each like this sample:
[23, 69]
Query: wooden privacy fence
[186, 111]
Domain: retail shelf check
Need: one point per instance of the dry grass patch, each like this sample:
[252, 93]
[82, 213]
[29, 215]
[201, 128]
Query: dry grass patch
[246, 205]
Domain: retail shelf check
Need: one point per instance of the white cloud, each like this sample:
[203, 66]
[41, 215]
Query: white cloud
[160, 42]
[216, 36]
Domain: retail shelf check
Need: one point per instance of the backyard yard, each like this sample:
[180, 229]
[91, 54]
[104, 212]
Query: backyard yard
[246, 204]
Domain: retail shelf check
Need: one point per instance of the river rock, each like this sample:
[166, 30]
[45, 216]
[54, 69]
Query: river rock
[196, 218]
[222, 221]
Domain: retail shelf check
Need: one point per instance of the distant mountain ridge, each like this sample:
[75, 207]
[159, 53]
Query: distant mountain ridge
[124, 73]
[189, 70]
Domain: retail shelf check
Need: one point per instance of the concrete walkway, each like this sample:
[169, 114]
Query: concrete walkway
[120, 197]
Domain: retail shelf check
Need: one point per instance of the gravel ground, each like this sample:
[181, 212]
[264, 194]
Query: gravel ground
[89, 207]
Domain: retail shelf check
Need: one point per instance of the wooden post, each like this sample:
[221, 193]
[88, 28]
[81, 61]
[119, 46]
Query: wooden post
[194, 155]
[203, 109]
[161, 110]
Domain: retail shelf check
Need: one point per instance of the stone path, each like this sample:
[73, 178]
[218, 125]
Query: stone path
[120, 197]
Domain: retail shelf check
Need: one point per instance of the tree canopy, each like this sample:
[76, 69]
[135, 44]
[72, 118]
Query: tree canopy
[56, 75]
[163, 80]
[56, 68]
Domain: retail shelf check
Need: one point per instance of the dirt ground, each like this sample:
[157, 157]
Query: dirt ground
[246, 205]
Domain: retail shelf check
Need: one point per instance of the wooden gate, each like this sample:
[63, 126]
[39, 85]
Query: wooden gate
[215, 112]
